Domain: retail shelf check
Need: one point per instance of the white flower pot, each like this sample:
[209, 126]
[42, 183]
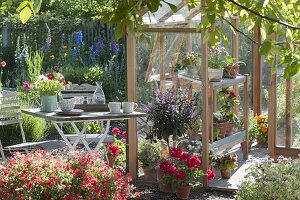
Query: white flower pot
[215, 74]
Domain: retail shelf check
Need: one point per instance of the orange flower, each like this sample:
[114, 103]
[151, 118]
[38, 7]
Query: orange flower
[260, 118]
[263, 128]
[165, 153]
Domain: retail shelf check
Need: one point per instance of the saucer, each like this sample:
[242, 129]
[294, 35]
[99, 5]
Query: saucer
[73, 112]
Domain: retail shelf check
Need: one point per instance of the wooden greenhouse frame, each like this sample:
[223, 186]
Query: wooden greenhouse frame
[207, 87]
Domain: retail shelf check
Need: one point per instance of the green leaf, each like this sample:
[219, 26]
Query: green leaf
[0, 3]
[9, 3]
[25, 14]
[291, 69]
[172, 6]
[265, 47]
[37, 5]
[263, 33]
[22, 5]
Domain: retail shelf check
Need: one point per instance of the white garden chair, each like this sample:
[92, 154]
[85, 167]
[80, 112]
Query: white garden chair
[10, 114]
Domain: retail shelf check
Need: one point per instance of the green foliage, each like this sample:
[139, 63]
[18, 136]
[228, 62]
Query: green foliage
[74, 74]
[98, 73]
[272, 181]
[34, 64]
[149, 153]
[226, 161]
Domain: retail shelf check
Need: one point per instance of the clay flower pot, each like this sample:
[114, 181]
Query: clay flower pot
[166, 188]
[150, 174]
[183, 192]
[226, 128]
[262, 144]
[225, 173]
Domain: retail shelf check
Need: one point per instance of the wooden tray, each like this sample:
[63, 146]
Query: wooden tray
[93, 107]
[73, 112]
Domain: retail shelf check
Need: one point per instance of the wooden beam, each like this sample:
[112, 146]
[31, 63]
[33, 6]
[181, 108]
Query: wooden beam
[171, 30]
[246, 116]
[235, 55]
[176, 55]
[193, 12]
[257, 73]
[205, 96]
[131, 96]
[162, 69]
[152, 59]
[272, 111]
[171, 12]
[288, 115]
[287, 152]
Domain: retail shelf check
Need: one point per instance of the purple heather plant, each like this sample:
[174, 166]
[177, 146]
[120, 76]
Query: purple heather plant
[171, 114]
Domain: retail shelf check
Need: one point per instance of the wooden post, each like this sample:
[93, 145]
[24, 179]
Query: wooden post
[246, 115]
[205, 94]
[235, 55]
[131, 96]
[162, 69]
[257, 74]
[288, 115]
[272, 130]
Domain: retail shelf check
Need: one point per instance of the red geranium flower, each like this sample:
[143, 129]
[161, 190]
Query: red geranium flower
[124, 135]
[55, 68]
[176, 152]
[181, 175]
[114, 150]
[184, 156]
[26, 85]
[163, 165]
[116, 131]
[50, 76]
[193, 162]
[3, 63]
[210, 174]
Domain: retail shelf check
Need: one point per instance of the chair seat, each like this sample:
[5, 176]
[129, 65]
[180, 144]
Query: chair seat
[89, 138]
[46, 145]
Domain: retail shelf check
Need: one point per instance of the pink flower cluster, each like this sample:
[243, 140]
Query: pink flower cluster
[120, 135]
[113, 150]
[183, 167]
[42, 175]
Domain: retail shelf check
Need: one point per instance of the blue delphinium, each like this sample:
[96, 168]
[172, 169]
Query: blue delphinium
[79, 38]
[75, 53]
[114, 47]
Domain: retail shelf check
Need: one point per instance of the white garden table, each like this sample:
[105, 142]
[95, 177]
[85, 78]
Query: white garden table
[85, 117]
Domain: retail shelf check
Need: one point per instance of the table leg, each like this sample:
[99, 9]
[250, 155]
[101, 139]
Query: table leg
[103, 136]
[80, 136]
[61, 133]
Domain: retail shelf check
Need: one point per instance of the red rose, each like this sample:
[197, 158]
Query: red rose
[116, 131]
[114, 150]
[210, 174]
[55, 68]
[3, 63]
[181, 175]
[176, 152]
[50, 76]
[184, 156]
[193, 162]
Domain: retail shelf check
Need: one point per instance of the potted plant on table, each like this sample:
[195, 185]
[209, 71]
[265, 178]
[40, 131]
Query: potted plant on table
[259, 130]
[216, 60]
[149, 156]
[225, 163]
[225, 120]
[231, 69]
[182, 171]
[191, 62]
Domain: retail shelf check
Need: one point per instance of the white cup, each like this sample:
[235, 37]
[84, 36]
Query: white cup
[129, 107]
[114, 107]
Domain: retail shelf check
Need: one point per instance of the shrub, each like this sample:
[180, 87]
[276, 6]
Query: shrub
[272, 181]
[44, 175]
[149, 153]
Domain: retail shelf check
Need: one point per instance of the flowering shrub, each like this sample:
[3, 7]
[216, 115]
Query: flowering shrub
[228, 100]
[226, 161]
[182, 169]
[259, 129]
[42, 175]
[149, 153]
[269, 180]
[170, 114]
[48, 84]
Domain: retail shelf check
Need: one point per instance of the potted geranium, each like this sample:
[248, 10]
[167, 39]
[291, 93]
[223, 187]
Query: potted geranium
[182, 171]
[47, 86]
[113, 152]
[225, 120]
[225, 163]
[171, 115]
[149, 156]
[191, 62]
[259, 130]
[216, 60]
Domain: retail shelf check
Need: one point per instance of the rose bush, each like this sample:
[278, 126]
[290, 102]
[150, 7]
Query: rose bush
[42, 175]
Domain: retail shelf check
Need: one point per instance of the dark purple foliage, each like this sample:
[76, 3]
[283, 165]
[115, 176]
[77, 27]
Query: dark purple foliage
[171, 114]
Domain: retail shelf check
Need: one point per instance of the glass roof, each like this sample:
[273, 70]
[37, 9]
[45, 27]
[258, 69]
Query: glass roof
[166, 17]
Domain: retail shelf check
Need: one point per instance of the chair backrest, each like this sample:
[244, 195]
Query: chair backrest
[10, 110]
[75, 90]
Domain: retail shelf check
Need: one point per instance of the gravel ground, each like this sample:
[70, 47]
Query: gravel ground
[151, 191]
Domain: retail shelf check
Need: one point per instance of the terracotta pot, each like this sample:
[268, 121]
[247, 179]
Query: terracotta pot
[183, 192]
[166, 188]
[111, 161]
[231, 71]
[262, 144]
[150, 174]
[225, 173]
[226, 128]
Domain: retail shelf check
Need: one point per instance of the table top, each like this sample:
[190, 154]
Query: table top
[85, 116]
